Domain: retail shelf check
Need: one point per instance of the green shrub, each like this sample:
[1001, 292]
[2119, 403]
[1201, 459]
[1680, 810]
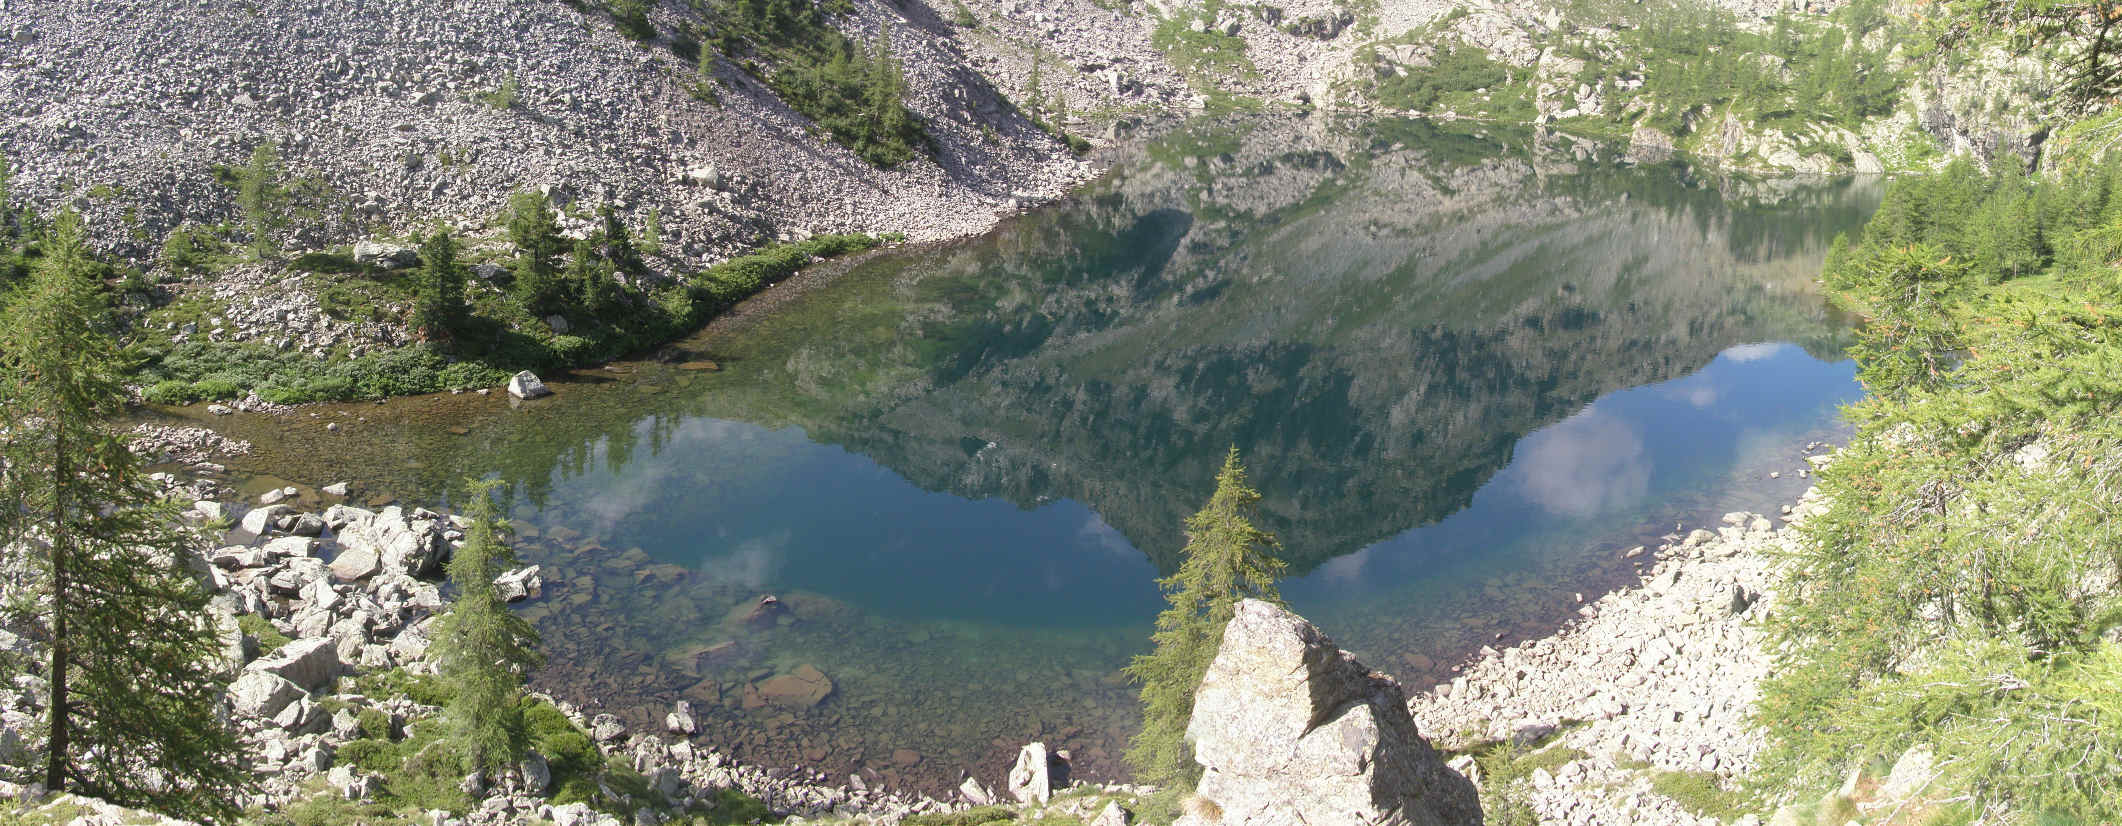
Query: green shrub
[977, 816]
[191, 249]
[1449, 82]
[259, 628]
[216, 389]
[1200, 54]
[169, 391]
[375, 725]
[502, 97]
[396, 682]
[631, 17]
[1701, 794]
[856, 94]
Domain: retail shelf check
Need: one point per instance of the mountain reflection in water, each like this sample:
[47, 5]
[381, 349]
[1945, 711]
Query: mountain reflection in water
[1464, 365]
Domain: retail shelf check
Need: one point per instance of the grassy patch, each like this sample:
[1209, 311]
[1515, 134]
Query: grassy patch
[1200, 55]
[979, 816]
[1701, 794]
[1459, 78]
[261, 629]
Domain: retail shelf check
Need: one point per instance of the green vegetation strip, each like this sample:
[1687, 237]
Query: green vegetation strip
[1950, 594]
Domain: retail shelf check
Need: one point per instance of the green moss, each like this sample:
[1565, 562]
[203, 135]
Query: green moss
[261, 629]
[1701, 794]
[1201, 56]
[978, 816]
[729, 807]
[397, 682]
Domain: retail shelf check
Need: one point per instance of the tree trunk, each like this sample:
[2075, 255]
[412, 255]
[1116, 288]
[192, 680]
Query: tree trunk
[56, 758]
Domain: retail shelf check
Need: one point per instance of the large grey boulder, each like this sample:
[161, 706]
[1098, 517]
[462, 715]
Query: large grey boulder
[1036, 774]
[384, 256]
[262, 694]
[307, 663]
[527, 385]
[259, 521]
[356, 563]
[411, 544]
[1290, 730]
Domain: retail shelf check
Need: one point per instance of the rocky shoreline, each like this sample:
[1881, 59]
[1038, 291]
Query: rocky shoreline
[344, 594]
[1621, 692]
[1655, 679]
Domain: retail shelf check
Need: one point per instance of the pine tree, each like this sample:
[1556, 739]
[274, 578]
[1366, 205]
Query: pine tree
[887, 105]
[260, 196]
[616, 244]
[438, 303]
[1227, 559]
[484, 651]
[133, 653]
[535, 231]
[590, 276]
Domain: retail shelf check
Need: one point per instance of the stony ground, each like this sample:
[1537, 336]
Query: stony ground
[1654, 679]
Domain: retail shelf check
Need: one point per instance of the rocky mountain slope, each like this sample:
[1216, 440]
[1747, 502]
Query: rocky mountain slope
[122, 107]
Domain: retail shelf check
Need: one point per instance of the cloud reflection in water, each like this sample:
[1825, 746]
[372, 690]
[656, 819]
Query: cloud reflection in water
[1588, 463]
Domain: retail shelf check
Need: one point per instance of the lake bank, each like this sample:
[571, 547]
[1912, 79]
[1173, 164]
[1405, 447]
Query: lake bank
[960, 468]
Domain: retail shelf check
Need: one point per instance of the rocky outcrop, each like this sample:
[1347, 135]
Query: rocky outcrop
[1291, 730]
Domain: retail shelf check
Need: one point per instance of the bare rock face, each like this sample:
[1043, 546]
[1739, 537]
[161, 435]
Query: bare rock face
[1290, 730]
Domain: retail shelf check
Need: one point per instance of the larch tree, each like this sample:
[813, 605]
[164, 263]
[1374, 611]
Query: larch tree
[484, 651]
[535, 231]
[589, 275]
[438, 305]
[261, 197]
[1227, 559]
[133, 657]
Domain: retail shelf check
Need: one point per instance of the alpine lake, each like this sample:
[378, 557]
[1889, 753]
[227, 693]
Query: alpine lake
[1467, 367]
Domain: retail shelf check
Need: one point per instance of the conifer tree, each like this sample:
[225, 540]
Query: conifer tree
[616, 244]
[260, 196]
[887, 92]
[1227, 559]
[590, 276]
[438, 304]
[484, 651]
[133, 654]
[535, 231]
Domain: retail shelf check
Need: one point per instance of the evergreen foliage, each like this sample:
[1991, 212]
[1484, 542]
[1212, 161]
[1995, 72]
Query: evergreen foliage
[134, 655]
[484, 652]
[631, 17]
[262, 197]
[18, 235]
[590, 276]
[857, 94]
[1697, 63]
[535, 231]
[190, 249]
[1456, 72]
[2087, 32]
[438, 294]
[1958, 591]
[1227, 559]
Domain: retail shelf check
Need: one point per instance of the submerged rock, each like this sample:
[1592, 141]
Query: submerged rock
[1291, 730]
[801, 689]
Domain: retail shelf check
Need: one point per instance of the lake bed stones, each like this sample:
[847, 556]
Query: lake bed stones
[799, 690]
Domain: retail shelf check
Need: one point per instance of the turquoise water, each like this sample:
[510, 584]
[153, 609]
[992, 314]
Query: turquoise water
[1465, 368]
